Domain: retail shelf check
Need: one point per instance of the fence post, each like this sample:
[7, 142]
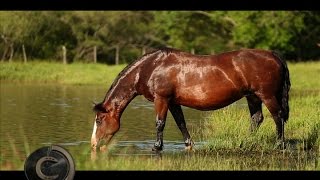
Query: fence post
[95, 54]
[117, 55]
[64, 54]
[11, 52]
[143, 50]
[192, 50]
[24, 54]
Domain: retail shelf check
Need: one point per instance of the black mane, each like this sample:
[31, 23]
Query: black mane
[99, 108]
[128, 67]
[165, 50]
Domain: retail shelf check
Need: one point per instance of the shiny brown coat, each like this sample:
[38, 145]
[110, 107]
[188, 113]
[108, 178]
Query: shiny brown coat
[171, 78]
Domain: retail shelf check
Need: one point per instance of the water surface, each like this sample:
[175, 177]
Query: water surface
[35, 115]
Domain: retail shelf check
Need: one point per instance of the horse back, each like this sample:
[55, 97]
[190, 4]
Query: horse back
[209, 82]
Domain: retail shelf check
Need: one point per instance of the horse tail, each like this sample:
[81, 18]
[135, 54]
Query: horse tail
[284, 93]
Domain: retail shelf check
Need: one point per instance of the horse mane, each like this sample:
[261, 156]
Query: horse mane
[166, 50]
[98, 106]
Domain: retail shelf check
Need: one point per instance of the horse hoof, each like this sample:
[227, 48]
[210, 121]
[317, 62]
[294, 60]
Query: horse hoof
[189, 148]
[280, 145]
[156, 148]
[93, 155]
[103, 148]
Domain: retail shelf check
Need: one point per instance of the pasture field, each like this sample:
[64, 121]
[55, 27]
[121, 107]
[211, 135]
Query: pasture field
[229, 145]
[51, 72]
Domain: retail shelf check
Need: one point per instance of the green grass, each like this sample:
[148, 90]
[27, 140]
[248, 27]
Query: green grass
[50, 72]
[230, 145]
[305, 76]
[228, 128]
[203, 161]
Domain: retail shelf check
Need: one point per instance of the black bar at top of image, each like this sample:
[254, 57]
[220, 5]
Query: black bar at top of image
[159, 5]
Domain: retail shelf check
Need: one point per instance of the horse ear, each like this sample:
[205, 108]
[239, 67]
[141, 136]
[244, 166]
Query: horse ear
[99, 108]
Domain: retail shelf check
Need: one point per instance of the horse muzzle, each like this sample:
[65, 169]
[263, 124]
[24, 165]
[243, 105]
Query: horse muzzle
[100, 144]
[94, 143]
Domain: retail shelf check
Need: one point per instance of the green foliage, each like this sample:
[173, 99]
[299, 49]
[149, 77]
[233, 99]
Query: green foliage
[273, 30]
[205, 32]
[295, 34]
[306, 42]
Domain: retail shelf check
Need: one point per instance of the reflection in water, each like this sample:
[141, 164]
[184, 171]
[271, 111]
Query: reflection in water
[33, 116]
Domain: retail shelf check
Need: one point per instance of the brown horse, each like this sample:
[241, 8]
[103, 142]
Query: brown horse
[171, 78]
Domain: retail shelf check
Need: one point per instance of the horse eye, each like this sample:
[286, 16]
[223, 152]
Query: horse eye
[98, 122]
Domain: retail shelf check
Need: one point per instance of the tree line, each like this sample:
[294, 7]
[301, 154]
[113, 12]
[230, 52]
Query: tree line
[121, 36]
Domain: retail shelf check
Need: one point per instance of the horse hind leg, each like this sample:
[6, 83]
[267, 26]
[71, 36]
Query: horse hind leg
[177, 114]
[255, 108]
[276, 111]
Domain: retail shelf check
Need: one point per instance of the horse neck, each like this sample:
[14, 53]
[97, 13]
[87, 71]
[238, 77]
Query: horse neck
[121, 94]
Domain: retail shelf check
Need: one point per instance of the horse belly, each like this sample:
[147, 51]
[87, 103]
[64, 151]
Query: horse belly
[202, 98]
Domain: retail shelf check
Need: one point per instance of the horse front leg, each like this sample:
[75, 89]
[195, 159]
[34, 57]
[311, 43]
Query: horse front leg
[161, 107]
[255, 107]
[178, 116]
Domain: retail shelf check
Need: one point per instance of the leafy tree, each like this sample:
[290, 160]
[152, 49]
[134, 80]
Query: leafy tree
[124, 35]
[307, 40]
[47, 33]
[274, 30]
[12, 31]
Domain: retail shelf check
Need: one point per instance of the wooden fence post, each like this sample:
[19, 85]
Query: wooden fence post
[117, 55]
[95, 54]
[11, 52]
[24, 54]
[143, 50]
[192, 50]
[64, 54]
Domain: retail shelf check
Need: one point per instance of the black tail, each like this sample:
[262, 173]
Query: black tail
[284, 97]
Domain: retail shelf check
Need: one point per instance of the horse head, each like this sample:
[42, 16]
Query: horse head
[105, 126]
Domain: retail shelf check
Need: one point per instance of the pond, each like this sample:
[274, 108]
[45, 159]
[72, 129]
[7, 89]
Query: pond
[36, 115]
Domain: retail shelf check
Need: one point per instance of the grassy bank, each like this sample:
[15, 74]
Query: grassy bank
[49, 72]
[228, 128]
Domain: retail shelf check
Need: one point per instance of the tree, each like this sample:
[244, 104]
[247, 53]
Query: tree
[121, 36]
[199, 31]
[306, 41]
[12, 30]
[274, 30]
[47, 34]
